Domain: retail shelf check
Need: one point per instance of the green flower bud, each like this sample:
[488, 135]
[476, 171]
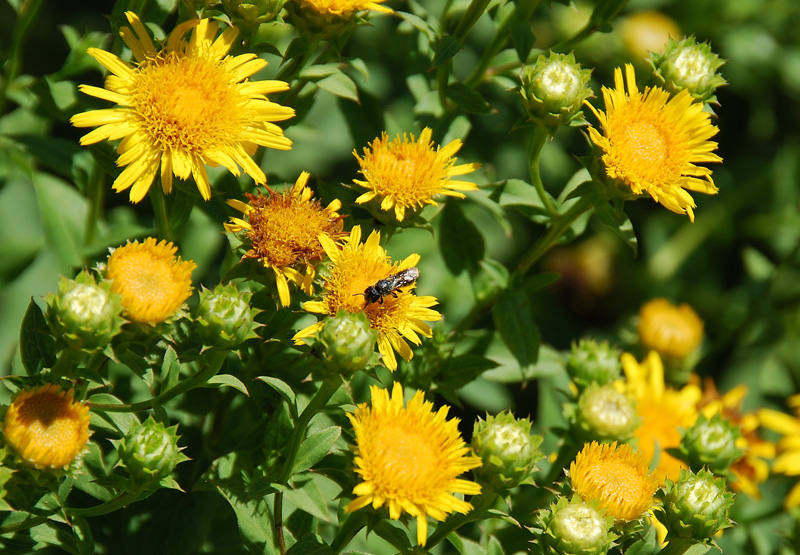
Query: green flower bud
[553, 90]
[574, 527]
[605, 413]
[150, 451]
[84, 314]
[223, 317]
[695, 507]
[712, 443]
[508, 450]
[347, 342]
[591, 361]
[688, 65]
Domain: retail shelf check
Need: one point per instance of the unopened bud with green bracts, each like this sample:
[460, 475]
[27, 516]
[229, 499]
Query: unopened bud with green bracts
[695, 507]
[604, 413]
[346, 343]
[84, 314]
[149, 451]
[508, 449]
[574, 527]
[689, 65]
[593, 362]
[553, 90]
[712, 443]
[223, 317]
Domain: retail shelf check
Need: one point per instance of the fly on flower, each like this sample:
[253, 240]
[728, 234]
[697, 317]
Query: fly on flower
[390, 285]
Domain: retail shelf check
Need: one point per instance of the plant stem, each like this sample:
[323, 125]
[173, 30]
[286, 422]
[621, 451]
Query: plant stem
[538, 140]
[160, 210]
[122, 499]
[24, 525]
[25, 19]
[483, 503]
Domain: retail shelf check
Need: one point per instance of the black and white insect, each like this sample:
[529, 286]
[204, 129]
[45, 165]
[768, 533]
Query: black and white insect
[390, 285]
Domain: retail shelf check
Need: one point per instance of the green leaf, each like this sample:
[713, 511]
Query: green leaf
[617, 221]
[308, 497]
[446, 48]
[310, 544]
[227, 380]
[284, 389]
[458, 371]
[341, 85]
[514, 321]
[461, 242]
[419, 24]
[36, 343]
[518, 193]
[319, 71]
[314, 448]
[522, 38]
[255, 522]
[63, 212]
[396, 537]
[467, 99]
[297, 47]
[170, 369]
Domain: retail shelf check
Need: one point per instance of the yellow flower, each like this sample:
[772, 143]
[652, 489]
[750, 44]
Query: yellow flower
[410, 458]
[357, 266]
[343, 8]
[406, 174]
[46, 427]
[673, 331]
[663, 410]
[184, 107]
[616, 476]
[284, 229]
[153, 283]
[650, 143]
[788, 460]
[646, 32]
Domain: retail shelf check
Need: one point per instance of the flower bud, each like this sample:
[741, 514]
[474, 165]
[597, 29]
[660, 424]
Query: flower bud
[84, 314]
[553, 90]
[508, 450]
[688, 65]
[347, 342]
[712, 443]
[574, 527]
[605, 413]
[675, 332]
[324, 19]
[591, 361]
[223, 317]
[695, 507]
[150, 451]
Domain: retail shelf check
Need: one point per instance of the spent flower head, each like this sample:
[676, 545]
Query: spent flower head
[650, 143]
[283, 231]
[689, 65]
[183, 106]
[508, 449]
[406, 174]
[409, 459]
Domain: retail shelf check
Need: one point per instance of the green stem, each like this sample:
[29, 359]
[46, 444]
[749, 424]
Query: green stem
[121, 500]
[96, 193]
[482, 504]
[24, 525]
[160, 210]
[538, 140]
[347, 531]
[25, 19]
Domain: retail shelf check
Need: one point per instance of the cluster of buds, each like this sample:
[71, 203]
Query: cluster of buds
[508, 450]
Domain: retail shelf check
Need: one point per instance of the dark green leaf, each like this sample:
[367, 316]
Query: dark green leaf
[314, 448]
[310, 545]
[255, 522]
[467, 99]
[618, 222]
[63, 212]
[36, 344]
[541, 281]
[227, 380]
[513, 319]
[522, 37]
[396, 537]
[308, 498]
[418, 23]
[284, 389]
[446, 48]
[460, 240]
[459, 370]
[341, 85]
[170, 369]
[297, 47]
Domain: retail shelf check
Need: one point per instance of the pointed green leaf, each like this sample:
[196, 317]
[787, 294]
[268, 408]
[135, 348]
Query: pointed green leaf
[36, 343]
[446, 48]
[314, 448]
[514, 321]
[467, 99]
[227, 380]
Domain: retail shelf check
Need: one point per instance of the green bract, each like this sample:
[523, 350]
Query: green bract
[573, 527]
[688, 65]
[712, 443]
[149, 451]
[347, 342]
[508, 450]
[593, 362]
[223, 317]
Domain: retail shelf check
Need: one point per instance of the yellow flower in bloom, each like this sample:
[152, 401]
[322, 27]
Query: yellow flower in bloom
[153, 283]
[406, 174]
[357, 266]
[663, 411]
[616, 476]
[284, 229]
[343, 8]
[673, 331]
[46, 427]
[651, 143]
[409, 459]
[788, 460]
[184, 107]
[751, 469]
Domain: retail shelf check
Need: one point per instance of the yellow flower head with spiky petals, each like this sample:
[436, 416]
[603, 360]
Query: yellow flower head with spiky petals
[651, 143]
[664, 411]
[152, 281]
[673, 331]
[616, 476]
[788, 459]
[406, 174]
[353, 268]
[343, 8]
[283, 230]
[409, 459]
[184, 107]
[46, 427]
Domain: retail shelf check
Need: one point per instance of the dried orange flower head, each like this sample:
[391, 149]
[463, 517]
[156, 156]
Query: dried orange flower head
[673, 331]
[409, 458]
[152, 281]
[616, 476]
[45, 427]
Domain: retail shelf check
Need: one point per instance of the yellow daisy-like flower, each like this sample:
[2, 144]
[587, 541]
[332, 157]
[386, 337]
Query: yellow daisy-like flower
[409, 459]
[788, 459]
[616, 476]
[663, 412]
[673, 331]
[356, 266]
[183, 107]
[406, 174]
[152, 281]
[651, 143]
[46, 427]
[343, 8]
[284, 230]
